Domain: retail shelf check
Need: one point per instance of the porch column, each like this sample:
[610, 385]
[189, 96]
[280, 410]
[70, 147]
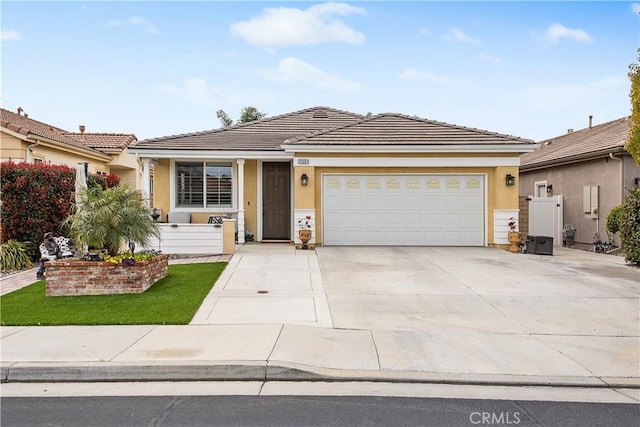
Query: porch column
[146, 180]
[240, 200]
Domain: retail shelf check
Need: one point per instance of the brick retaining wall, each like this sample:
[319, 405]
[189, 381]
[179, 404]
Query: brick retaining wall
[73, 277]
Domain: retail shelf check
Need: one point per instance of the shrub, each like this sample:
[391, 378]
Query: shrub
[13, 256]
[613, 219]
[36, 198]
[630, 226]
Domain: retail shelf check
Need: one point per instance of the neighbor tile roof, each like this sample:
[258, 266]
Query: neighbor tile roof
[87, 141]
[400, 129]
[265, 134]
[27, 126]
[104, 140]
[609, 136]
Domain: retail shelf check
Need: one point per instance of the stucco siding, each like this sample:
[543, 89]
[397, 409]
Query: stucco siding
[12, 148]
[568, 181]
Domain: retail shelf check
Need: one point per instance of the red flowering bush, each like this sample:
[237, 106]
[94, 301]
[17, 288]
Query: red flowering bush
[36, 198]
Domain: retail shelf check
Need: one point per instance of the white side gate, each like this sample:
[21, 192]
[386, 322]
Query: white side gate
[546, 218]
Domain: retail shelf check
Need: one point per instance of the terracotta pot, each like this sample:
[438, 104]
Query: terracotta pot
[514, 239]
[304, 236]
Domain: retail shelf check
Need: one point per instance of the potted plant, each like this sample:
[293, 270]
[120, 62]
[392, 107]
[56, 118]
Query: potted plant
[514, 235]
[304, 232]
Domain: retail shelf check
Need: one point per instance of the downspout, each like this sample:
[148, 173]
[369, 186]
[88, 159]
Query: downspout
[621, 194]
[29, 153]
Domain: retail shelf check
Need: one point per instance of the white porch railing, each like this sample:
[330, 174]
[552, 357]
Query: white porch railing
[189, 239]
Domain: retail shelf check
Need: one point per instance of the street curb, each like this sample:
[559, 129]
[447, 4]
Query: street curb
[280, 371]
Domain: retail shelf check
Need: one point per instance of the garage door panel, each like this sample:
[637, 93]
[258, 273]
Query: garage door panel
[412, 219]
[373, 219]
[403, 210]
[454, 219]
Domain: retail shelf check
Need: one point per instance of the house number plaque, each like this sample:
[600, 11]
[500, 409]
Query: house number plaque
[303, 161]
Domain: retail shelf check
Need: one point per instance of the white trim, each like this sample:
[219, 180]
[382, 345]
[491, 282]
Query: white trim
[537, 185]
[260, 202]
[172, 189]
[208, 154]
[260, 196]
[440, 148]
[240, 186]
[406, 161]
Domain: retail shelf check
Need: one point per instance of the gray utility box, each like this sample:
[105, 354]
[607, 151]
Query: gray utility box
[540, 245]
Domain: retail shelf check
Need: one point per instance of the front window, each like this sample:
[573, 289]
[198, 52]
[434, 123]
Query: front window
[207, 184]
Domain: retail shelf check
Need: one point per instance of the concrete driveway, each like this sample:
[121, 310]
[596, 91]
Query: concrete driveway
[480, 289]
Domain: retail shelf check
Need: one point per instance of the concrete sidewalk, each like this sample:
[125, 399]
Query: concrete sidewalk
[294, 352]
[288, 333]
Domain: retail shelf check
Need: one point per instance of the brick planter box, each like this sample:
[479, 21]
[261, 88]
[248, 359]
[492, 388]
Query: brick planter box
[65, 278]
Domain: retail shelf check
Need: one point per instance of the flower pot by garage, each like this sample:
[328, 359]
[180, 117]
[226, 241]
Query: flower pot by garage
[514, 239]
[304, 236]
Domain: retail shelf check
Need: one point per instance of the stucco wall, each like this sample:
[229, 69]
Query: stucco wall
[12, 148]
[568, 181]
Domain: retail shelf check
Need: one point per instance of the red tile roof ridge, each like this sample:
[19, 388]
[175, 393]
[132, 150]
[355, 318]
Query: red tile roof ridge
[51, 127]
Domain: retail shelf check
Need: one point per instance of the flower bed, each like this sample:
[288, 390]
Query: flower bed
[75, 277]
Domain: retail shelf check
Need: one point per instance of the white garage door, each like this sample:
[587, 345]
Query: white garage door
[413, 210]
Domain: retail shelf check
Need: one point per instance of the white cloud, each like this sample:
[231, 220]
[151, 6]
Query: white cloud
[196, 90]
[489, 58]
[9, 35]
[457, 35]
[635, 8]
[292, 70]
[415, 74]
[556, 32]
[135, 21]
[289, 26]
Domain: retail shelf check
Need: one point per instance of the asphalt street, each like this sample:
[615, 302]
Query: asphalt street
[297, 411]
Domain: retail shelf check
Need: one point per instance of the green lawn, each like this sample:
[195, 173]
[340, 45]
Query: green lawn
[173, 300]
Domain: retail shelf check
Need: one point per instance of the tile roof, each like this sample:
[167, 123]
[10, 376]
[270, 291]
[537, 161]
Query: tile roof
[104, 140]
[87, 141]
[400, 129]
[609, 136]
[265, 134]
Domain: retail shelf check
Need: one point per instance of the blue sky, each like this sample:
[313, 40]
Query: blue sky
[531, 69]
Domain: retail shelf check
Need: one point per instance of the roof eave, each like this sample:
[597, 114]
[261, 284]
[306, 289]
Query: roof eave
[576, 158]
[209, 154]
[33, 138]
[408, 148]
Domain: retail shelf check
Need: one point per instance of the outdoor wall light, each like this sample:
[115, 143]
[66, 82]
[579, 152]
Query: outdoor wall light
[510, 180]
[550, 188]
[304, 180]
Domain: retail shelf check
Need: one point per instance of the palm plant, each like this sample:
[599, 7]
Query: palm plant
[13, 256]
[106, 218]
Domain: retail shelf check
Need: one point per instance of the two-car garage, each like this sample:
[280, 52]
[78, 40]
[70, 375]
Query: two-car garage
[399, 209]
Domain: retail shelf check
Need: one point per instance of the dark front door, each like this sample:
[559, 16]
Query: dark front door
[276, 198]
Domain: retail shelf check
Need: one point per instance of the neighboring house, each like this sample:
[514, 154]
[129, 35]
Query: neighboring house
[24, 139]
[591, 170]
[388, 179]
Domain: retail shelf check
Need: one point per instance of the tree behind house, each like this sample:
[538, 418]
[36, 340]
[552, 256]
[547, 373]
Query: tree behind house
[247, 114]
